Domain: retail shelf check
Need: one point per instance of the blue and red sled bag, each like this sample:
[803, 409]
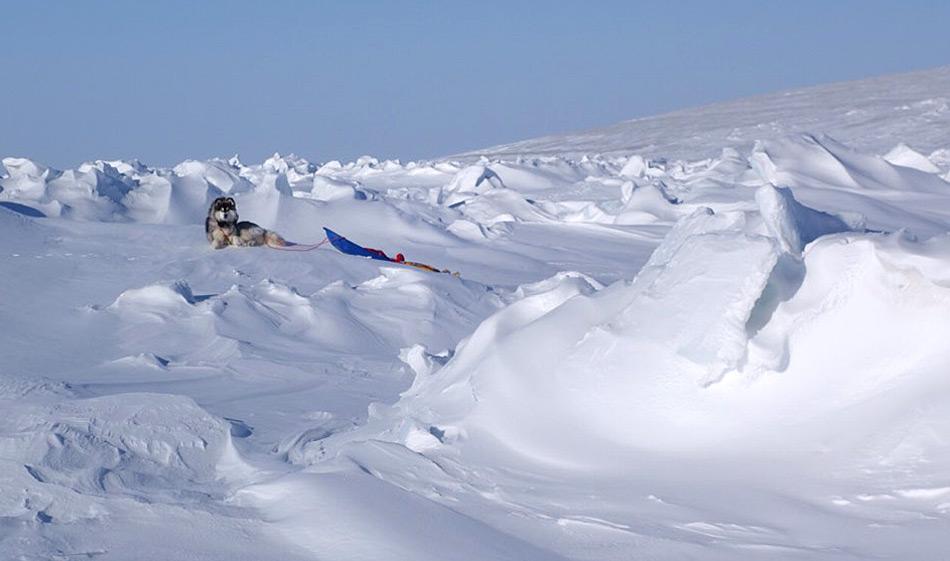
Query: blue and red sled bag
[346, 246]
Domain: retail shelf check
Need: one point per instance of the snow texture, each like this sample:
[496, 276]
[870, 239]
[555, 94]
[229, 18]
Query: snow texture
[714, 334]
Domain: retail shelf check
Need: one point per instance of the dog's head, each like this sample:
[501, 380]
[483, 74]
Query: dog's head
[223, 209]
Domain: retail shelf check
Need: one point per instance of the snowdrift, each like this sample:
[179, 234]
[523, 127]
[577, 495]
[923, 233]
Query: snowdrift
[61, 456]
[134, 444]
[729, 336]
[479, 201]
[826, 162]
[366, 319]
[734, 355]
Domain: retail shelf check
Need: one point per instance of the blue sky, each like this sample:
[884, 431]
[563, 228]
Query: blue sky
[164, 81]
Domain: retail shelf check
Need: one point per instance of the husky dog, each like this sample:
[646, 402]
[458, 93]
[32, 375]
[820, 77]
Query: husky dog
[223, 228]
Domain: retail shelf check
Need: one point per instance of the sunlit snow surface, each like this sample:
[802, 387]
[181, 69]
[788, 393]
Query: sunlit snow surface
[707, 348]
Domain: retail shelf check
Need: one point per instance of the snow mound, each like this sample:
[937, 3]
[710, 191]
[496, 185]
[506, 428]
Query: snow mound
[468, 183]
[636, 166]
[646, 204]
[851, 285]
[153, 446]
[725, 334]
[810, 160]
[555, 374]
[122, 191]
[378, 317]
[156, 300]
[91, 192]
[904, 155]
[13, 386]
[450, 201]
[325, 188]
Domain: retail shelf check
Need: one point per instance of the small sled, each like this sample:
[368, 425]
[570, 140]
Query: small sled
[346, 246]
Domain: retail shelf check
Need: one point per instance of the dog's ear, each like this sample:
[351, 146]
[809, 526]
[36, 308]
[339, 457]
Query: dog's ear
[230, 200]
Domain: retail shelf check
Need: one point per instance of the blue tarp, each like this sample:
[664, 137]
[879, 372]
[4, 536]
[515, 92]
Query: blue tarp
[346, 246]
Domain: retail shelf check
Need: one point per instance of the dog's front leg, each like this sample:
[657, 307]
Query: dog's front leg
[219, 240]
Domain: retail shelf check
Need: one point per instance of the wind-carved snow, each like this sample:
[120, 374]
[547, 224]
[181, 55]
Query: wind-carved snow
[709, 349]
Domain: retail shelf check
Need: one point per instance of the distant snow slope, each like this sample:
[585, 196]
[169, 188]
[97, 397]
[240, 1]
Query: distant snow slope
[697, 353]
[869, 115]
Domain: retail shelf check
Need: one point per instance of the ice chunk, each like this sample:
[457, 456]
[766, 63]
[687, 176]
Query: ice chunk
[794, 225]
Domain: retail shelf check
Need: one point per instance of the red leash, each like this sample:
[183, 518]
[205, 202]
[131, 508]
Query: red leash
[298, 247]
[399, 259]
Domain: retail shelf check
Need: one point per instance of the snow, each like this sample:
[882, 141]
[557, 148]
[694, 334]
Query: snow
[665, 341]
[871, 115]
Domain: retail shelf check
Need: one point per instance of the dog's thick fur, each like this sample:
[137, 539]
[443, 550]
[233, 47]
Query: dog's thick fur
[223, 228]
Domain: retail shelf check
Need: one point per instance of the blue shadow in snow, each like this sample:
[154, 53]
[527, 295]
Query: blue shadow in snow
[22, 209]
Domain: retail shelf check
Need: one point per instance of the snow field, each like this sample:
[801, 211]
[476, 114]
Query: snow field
[735, 354]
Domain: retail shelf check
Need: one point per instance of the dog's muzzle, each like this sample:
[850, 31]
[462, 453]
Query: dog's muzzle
[225, 216]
